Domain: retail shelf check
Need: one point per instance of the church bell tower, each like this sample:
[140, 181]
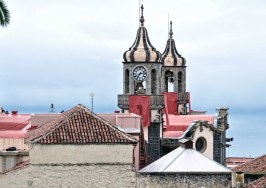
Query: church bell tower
[142, 66]
[174, 74]
[142, 88]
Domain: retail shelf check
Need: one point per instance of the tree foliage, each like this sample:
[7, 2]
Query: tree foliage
[4, 14]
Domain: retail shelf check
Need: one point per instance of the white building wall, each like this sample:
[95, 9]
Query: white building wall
[208, 135]
[80, 154]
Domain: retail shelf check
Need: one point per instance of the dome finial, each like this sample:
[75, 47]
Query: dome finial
[142, 18]
[171, 31]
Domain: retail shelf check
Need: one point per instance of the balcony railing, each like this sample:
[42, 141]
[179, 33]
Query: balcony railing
[156, 101]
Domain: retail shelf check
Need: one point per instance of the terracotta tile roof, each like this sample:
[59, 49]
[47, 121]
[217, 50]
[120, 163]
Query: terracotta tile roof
[41, 119]
[258, 165]
[232, 162]
[259, 183]
[78, 126]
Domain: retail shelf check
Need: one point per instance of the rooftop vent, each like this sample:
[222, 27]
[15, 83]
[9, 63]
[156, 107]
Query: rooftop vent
[14, 112]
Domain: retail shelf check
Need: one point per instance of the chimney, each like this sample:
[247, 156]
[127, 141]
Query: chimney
[189, 144]
[14, 112]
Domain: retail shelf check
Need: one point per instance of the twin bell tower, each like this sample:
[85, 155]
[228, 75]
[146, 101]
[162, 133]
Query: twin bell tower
[154, 84]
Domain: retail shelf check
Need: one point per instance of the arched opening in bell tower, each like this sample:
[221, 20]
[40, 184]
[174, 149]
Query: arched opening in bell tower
[140, 87]
[169, 81]
[153, 82]
[126, 81]
[180, 81]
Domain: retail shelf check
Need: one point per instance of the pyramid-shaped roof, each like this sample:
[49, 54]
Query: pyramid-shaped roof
[78, 126]
[183, 160]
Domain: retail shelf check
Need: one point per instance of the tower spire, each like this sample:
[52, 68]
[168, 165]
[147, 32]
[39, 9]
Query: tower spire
[171, 31]
[142, 18]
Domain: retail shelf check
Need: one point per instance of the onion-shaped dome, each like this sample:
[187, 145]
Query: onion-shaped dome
[170, 56]
[142, 49]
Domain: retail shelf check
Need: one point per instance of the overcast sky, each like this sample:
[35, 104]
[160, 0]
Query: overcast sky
[60, 51]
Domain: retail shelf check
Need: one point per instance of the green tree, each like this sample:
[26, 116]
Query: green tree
[4, 14]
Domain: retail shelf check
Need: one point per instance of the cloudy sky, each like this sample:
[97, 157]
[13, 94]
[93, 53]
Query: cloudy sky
[60, 51]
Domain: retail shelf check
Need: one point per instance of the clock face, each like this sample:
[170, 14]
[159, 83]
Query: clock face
[139, 73]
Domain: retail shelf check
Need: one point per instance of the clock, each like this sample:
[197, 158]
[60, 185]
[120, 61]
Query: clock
[139, 73]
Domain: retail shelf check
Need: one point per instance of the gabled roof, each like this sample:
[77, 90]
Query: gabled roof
[183, 160]
[78, 126]
[258, 165]
[261, 182]
[41, 119]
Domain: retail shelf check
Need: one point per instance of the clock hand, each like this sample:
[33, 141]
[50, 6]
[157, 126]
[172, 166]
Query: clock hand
[139, 75]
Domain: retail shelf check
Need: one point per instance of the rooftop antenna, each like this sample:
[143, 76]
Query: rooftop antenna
[52, 109]
[92, 95]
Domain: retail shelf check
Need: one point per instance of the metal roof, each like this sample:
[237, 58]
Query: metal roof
[185, 160]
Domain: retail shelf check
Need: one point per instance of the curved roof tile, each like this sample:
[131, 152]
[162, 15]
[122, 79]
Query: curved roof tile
[78, 126]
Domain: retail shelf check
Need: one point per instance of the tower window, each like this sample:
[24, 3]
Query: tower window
[153, 82]
[126, 81]
[180, 82]
[169, 81]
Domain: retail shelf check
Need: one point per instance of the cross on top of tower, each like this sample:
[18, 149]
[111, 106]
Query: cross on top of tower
[171, 31]
[142, 18]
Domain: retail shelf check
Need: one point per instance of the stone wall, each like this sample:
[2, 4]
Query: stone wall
[154, 142]
[217, 148]
[86, 175]
[183, 180]
[93, 165]
[149, 66]
[79, 154]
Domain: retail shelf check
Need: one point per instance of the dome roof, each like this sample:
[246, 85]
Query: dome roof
[142, 49]
[170, 56]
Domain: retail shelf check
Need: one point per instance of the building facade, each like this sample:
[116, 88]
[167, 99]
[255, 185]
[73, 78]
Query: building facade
[76, 149]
